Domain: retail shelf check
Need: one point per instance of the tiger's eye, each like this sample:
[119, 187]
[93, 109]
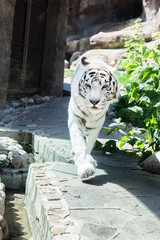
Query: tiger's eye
[87, 85]
[105, 86]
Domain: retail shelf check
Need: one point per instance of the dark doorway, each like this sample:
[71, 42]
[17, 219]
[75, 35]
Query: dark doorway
[27, 46]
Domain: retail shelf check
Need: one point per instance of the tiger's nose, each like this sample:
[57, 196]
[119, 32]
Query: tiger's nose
[94, 102]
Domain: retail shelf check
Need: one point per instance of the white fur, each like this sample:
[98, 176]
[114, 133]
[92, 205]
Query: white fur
[84, 121]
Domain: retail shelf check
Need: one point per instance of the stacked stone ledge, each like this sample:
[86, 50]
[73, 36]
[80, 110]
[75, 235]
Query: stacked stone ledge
[3, 223]
[2, 198]
[47, 209]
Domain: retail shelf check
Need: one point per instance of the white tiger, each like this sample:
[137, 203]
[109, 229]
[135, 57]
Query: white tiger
[94, 86]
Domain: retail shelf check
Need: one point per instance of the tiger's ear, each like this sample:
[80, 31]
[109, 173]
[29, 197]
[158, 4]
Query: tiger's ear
[113, 64]
[84, 61]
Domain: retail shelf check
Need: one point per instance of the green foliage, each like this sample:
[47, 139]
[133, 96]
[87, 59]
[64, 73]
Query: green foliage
[140, 146]
[109, 146]
[68, 72]
[28, 147]
[140, 71]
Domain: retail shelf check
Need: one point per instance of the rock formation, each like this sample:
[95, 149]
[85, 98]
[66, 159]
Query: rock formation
[101, 24]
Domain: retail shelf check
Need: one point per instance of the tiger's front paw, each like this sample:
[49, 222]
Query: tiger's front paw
[86, 167]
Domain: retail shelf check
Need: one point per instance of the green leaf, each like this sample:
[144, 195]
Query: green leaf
[109, 131]
[138, 131]
[124, 64]
[131, 67]
[156, 81]
[140, 145]
[135, 95]
[157, 105]
[117, 124]
[146, 73]
[131, 133]
[121, 131]
[125, 138]
[152, 94]
[98, 145]
[118, 120]
[128, 87]
[113, 124]
[132, 141]
[122, 143]
[110, 146]
[136, 109]
[144, 99]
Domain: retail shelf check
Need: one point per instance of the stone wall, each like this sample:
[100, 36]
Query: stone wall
[6, 26]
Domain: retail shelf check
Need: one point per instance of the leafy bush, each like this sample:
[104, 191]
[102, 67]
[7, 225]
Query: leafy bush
[139, 146]
[141, 104]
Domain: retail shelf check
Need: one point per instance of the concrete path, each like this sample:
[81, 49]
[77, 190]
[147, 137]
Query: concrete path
[120, 202]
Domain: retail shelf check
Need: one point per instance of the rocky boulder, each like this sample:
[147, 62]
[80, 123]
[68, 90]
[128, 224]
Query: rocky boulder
[83, 13]
[91, 17]
[110, 54]
[152, 163]
[12, 154]
[102, 24]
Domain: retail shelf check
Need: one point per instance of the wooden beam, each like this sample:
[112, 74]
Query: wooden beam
[54, 47]
[26, 43]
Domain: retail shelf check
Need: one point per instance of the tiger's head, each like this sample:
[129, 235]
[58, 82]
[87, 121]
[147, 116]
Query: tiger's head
[98, 85]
